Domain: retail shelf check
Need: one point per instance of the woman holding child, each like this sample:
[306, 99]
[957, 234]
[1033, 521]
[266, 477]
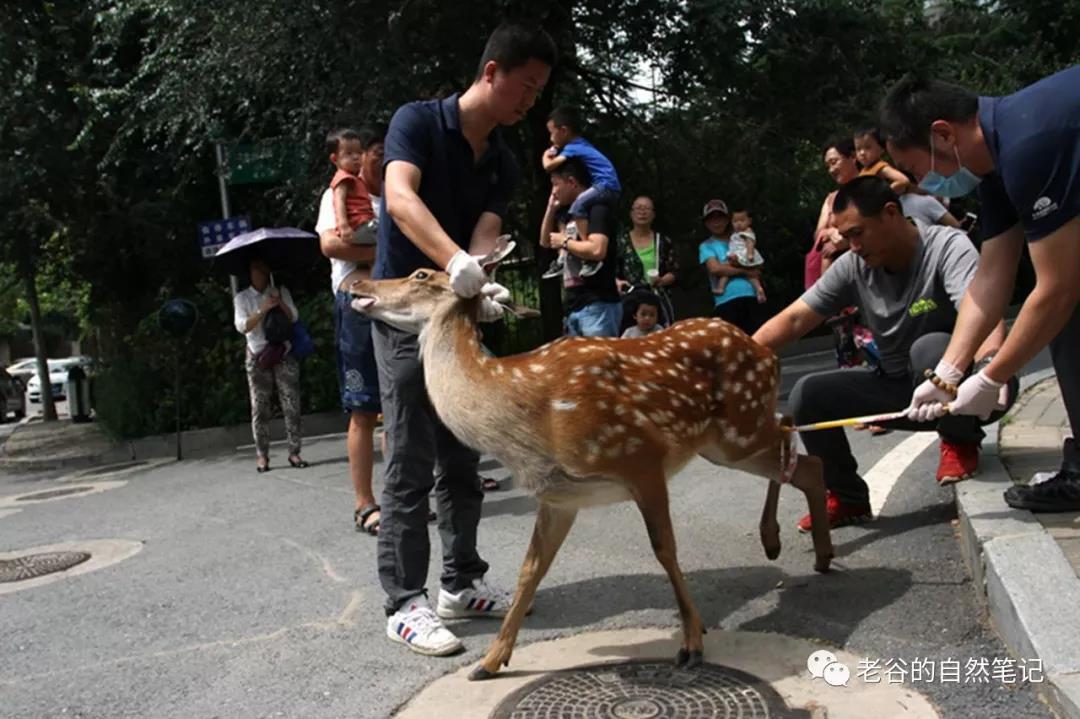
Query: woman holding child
[829, 244]
[648, 264]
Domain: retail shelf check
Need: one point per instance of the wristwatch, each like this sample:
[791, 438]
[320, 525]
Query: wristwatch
[565, 243]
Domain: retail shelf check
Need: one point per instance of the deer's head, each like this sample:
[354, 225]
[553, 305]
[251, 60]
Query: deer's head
[410, 302]
[407, 303]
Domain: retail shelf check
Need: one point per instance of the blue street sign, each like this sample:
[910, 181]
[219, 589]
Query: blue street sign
[215, 234]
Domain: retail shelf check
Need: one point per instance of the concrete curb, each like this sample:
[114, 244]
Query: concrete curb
[1021, 576]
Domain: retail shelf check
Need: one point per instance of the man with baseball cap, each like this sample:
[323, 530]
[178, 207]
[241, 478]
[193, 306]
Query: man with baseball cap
[737, 303]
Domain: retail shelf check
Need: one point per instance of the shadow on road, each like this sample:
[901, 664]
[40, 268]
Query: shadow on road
[891, 525]
[829, 606]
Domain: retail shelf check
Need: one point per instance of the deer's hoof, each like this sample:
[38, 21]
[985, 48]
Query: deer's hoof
[480, 674]
[821, 564]
[688, 659]
[770, 540]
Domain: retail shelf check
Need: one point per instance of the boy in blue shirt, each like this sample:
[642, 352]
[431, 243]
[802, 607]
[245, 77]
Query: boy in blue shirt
[564, 127]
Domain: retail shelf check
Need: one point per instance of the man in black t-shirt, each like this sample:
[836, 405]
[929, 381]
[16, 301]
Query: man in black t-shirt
[592, 304]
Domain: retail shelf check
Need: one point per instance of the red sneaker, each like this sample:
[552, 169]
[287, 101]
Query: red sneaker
[958, 461]
[839, 514]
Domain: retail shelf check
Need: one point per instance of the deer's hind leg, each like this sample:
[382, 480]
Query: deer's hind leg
[551, 528]
[768, 527]
[650, 493]
[809, 477]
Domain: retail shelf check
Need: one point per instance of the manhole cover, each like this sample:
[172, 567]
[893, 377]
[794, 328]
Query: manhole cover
[50, 494]
[38, 565]
[646, 690]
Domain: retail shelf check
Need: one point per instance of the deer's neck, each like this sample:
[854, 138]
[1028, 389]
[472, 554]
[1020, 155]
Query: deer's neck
[454, 368]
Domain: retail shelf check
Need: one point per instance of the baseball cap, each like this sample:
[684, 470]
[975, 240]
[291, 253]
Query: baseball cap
[714, 206]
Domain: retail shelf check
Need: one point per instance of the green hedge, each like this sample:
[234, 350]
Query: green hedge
[134, 390]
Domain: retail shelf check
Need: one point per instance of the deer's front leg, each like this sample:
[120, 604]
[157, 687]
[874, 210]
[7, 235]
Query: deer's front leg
[652, 499]
[552, 525]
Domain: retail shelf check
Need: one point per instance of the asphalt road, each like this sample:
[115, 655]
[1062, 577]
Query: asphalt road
[254, 597]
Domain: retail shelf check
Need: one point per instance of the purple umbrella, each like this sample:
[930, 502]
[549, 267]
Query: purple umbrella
[283, 249]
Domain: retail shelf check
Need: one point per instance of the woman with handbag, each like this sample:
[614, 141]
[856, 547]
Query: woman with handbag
[265, 315]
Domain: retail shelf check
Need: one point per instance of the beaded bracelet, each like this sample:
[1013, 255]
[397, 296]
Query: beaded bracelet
[940, 383]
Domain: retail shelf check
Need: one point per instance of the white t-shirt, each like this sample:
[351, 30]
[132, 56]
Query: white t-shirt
[922, 207]
[338, 268]
[246, 303]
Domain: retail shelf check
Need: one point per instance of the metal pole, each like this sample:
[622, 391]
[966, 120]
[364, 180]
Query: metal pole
[179, 451]
[223, 187]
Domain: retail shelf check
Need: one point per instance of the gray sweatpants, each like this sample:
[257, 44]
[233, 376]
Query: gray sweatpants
[842, 393]
[421, 454]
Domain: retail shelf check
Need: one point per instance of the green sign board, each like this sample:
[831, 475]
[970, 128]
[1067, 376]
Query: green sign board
[266, 161]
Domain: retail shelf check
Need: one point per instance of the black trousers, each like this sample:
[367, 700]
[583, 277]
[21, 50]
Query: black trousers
[857, 391]
[421, 454]
[743, 312]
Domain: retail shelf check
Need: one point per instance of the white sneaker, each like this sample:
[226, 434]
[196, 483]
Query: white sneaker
[417, 627]
[482, 600]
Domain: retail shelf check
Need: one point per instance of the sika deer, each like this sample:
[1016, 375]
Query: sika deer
[583, 422]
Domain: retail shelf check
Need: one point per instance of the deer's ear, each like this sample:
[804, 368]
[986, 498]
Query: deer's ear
[520, 311]
[502, 249]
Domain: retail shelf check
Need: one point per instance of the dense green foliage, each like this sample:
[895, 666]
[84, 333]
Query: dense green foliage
[109, 112]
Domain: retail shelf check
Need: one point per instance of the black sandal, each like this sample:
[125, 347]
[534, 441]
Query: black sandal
[298, 464]
[260, 468]
[361, 516]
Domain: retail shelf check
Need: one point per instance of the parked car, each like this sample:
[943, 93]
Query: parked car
[12, 396]
[23, 368]
[58, 374]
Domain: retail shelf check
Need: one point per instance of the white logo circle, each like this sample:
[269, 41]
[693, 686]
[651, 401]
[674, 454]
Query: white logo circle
[836, 674]
[817, 662]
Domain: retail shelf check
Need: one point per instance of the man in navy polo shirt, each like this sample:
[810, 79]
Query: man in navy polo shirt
[1022, 153]
[449, 177]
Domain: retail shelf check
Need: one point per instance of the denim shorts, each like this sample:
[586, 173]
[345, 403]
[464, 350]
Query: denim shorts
[358, 376]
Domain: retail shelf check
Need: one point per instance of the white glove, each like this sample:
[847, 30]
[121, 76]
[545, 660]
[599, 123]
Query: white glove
[928, 401]
[490, 308]
[466, 275]
[495, 291]
[978, 395]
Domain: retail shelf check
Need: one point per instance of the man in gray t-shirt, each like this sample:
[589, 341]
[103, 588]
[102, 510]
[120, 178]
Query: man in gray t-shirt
[907, 278]
[902, 305]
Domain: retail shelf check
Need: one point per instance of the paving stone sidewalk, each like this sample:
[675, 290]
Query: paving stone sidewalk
[1031, 442]
[38, 444]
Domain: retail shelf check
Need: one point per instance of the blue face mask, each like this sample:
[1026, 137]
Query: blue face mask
[960, 183]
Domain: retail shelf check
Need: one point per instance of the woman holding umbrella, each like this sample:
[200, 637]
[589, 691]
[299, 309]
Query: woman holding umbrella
[267, 360]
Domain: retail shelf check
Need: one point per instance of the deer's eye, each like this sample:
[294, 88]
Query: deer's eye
[421, 275]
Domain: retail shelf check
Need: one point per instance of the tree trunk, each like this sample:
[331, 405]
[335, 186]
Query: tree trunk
[48, 407]
[558, 22]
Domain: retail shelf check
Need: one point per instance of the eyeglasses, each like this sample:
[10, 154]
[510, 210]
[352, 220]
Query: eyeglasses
[642, 207]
